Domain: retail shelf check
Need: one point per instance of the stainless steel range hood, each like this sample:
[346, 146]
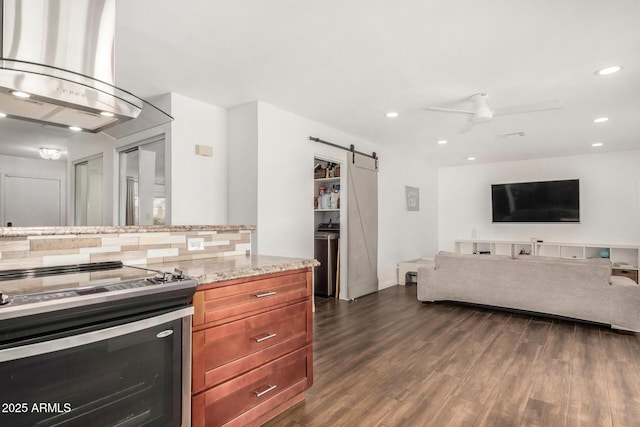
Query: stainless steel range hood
[57, 68]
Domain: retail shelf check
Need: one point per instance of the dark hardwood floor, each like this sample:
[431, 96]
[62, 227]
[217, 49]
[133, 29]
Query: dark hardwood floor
[389, 360]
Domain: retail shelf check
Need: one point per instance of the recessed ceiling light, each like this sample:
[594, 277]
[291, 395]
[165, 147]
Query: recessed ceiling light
[471, 158]
[609, 70]
[20, 94]
[392, 114]
[2, 115]
[106, 114]
[597, 144]
[75, 128]
[442, 141]
[601, 120]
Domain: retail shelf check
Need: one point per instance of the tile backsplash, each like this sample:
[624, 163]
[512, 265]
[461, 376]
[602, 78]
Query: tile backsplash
[130, 248]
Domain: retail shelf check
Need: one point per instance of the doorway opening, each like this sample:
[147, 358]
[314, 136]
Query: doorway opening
[143, 195]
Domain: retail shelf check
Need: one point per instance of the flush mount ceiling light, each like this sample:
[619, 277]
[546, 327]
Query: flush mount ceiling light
[597, 144]
[442, 141]
[19, 94]
[601, 120]
[609, 70]
[471, 158]
[75, 128]
[392, 114]
[50, 153]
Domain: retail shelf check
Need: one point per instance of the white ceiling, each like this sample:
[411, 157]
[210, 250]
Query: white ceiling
[345, 63]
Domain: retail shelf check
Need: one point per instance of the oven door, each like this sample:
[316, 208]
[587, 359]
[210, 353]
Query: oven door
[125, 375]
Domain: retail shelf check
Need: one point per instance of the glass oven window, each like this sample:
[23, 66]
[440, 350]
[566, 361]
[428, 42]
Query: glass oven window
[130, 380]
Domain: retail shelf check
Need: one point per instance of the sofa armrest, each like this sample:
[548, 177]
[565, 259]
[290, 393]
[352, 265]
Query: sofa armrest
[625, 301]
[426, 276]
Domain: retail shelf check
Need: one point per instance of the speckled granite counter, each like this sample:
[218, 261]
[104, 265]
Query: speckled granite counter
[60, 231]
[212, 270]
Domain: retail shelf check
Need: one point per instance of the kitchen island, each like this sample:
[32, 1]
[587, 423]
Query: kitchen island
[252, 338]
[251, 332]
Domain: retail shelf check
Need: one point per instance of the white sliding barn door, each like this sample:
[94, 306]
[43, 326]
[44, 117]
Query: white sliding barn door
[362, 229]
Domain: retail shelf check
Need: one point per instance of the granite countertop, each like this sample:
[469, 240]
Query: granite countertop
[219, 269]
[53, 231]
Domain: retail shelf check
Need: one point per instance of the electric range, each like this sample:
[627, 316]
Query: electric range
[98, 344]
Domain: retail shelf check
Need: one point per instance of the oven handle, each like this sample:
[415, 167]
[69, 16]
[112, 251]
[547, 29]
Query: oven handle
[91, 337]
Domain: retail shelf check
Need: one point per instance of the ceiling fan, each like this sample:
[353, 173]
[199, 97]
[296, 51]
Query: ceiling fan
[480, 112]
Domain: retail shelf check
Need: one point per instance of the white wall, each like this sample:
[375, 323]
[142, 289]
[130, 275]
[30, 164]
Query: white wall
[609, 199]
[285, 224]
[198, 183]
[242, 154]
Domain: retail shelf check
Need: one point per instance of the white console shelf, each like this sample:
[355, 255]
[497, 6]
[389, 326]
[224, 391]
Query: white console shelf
[625, 257]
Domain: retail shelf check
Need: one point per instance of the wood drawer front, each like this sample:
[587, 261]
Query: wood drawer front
[232, 302]
[228, 350]
[631, 274]
[233, 398]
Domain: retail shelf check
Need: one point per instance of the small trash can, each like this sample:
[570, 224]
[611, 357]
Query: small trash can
[411, 278]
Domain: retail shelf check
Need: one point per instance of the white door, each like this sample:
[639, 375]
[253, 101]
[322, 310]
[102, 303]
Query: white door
[31, 202]
[362, 229]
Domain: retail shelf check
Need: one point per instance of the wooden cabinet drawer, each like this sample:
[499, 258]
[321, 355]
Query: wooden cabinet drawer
[254, 393]
[235, 300]
[631, 274]
[225, 351]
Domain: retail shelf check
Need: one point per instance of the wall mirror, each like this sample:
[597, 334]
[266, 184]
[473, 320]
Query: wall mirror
[78, 184]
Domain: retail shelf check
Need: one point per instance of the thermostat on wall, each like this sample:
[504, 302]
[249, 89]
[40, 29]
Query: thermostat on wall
[204, 150]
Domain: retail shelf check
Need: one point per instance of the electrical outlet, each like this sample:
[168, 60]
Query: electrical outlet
[195, 244]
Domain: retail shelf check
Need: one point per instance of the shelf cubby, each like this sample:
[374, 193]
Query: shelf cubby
[547, 249]
[571, 251]
[622, 256]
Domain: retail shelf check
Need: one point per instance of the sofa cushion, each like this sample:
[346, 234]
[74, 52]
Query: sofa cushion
[574, 288]
[604, 262]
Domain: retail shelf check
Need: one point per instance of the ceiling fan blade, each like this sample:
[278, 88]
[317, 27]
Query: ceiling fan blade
[449, 110]
[467, 127]
[528, 108]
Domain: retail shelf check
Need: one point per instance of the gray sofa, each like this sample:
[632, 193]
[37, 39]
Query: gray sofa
[582, 289]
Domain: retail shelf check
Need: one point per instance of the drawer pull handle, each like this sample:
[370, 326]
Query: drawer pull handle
[266, 294]
[265, 391]
[266, 337]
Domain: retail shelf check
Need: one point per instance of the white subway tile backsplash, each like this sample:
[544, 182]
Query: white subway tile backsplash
[130, 248]
[217, 243]
[65, 259]
[159, 253]
[161, 239]
[63, 236]
[141, 261]
[100, 249]
[64, 280]
[242, 247]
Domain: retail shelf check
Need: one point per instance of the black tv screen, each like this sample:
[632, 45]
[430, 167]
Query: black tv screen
[545, 201]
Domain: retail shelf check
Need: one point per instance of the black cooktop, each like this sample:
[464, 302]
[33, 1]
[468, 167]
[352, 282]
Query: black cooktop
[40, 299]
[46, 279]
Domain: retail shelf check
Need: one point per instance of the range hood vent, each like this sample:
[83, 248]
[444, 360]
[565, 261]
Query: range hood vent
[60, 53]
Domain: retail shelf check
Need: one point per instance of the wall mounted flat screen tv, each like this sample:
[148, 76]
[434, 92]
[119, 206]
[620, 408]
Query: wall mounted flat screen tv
[544, 201]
